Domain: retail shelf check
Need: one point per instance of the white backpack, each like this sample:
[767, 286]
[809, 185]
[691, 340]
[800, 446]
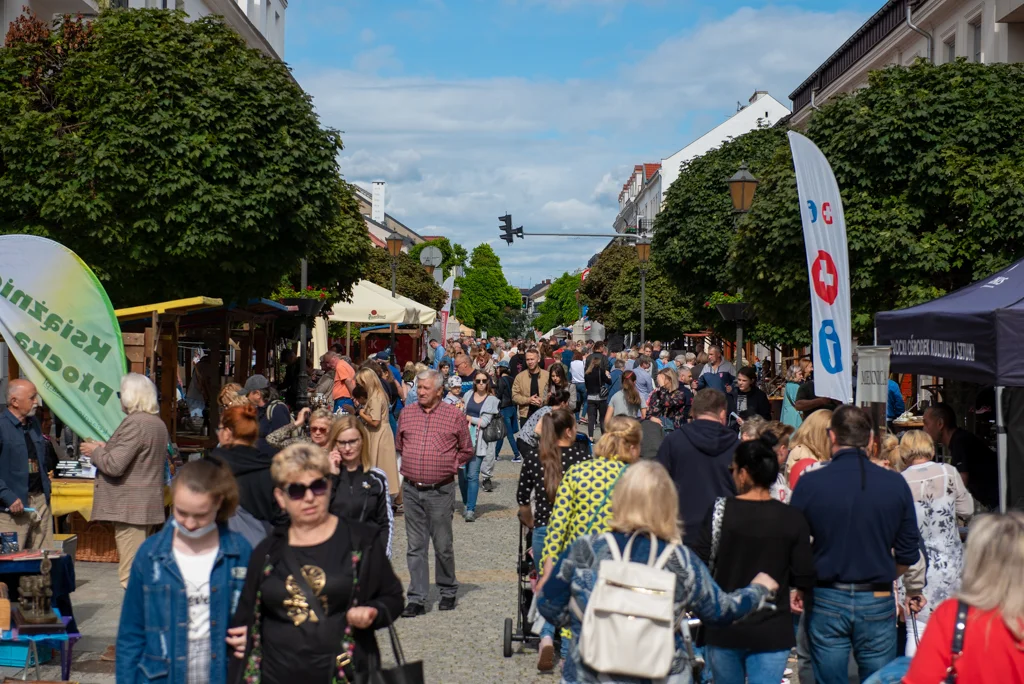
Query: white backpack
[629, 625]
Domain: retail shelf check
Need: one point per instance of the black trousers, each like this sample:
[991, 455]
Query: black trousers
[595, 415]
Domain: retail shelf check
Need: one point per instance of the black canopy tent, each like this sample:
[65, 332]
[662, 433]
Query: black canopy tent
[975, 334]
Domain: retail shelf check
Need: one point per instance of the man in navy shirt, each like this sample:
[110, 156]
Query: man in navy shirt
[864, 530]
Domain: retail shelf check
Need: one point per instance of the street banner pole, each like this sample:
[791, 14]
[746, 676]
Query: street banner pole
[828, 269]
[58, 322]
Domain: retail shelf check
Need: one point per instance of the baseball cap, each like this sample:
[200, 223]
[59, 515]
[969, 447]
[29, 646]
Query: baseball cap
[254, 384]
[455, 381]
[382, 356]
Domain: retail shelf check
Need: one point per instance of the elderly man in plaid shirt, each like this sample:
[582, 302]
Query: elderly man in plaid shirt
[433, 439]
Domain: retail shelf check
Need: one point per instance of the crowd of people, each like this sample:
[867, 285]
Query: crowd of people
[821, 532]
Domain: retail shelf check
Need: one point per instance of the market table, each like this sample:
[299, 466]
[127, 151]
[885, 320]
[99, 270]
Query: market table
[62, 579]
[74, 495]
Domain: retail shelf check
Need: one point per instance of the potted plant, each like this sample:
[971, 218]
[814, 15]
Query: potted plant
[730, 307]
[308, 301]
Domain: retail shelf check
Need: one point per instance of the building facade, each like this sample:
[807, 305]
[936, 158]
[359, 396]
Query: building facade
[901, 31]
[379, 223]
[260, 23]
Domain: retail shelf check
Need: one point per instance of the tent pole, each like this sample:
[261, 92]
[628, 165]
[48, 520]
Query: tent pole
[348, 339]
[1001, 448]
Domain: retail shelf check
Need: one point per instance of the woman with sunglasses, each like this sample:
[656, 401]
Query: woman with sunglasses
[481, 407]
[319, 426]
[316, 589]
[236, 435]
[359, 491]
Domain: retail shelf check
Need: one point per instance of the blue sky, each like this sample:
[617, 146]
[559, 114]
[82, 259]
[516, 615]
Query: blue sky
[471, 108]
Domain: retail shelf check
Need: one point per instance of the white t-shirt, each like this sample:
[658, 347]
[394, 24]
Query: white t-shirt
[576, 370]
[195, 570]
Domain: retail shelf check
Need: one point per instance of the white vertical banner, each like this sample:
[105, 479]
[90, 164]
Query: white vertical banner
[873, 375]
[448, 286]
[828, 269]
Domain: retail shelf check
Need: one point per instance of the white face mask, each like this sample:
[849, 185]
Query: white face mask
[197, 533]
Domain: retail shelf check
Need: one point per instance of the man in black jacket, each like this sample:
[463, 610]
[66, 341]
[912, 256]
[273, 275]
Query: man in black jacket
[698, 456]
[750, 400]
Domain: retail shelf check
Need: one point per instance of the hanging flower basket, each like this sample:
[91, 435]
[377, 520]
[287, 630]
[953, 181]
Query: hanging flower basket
[307, 307]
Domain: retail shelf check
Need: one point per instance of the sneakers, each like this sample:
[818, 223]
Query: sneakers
[414, 609]
[546, 661]
[447, 603]
[469, 516]
[517, 459]
[487, 485]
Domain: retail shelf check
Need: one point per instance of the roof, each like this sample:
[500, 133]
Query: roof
[875, 29]
[176, 306]
[650, 170]
[387, 217]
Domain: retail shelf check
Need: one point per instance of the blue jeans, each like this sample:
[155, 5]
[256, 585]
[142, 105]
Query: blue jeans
[841, 620]
[511, 416]
[469, 482]
[736, 666]
[581, 400]
[539, 533]
[892, 673]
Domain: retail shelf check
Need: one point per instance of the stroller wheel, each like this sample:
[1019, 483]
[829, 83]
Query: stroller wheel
[508, 638]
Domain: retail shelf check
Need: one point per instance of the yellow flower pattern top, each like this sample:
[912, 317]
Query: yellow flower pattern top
[584, 487]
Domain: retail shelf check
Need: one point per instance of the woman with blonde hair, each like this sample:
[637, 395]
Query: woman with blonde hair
[644, 524]
[790, 416]
[888, 453]
[359, 491]
[940, 497]
[374, 414]
[229, 396]
[319, 426]
[317, 588]
[671, 402]
[809, 445]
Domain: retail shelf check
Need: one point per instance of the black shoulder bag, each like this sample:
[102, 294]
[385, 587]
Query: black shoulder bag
[403, 672]
[958, 641]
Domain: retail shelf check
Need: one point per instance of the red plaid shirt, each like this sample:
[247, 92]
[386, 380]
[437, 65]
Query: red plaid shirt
[433, 445]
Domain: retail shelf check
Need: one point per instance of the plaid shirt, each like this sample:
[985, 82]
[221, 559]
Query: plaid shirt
[433, 445]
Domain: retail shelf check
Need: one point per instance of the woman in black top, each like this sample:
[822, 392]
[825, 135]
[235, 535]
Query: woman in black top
[236, 435]
[358, 490]
[539, 479]
[757, 534]
[509, 410]
[596, 376]
[311, 580]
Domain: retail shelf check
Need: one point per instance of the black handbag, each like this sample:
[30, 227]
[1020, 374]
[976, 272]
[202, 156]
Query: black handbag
[495, 430]
[403, 672]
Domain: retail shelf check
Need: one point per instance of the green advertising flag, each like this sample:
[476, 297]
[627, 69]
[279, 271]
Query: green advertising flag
[57, 320]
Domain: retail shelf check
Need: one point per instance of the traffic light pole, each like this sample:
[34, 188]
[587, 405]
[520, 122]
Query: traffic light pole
[625, 236]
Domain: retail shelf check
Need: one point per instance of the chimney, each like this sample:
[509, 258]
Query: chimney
[377, 203]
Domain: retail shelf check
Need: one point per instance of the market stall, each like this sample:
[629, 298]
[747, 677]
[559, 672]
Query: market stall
[975, 335]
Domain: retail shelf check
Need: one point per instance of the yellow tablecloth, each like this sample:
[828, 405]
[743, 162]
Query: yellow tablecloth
[75, 496]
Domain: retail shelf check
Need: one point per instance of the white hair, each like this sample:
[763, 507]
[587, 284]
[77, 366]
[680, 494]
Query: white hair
[432, 375]
[138, 394]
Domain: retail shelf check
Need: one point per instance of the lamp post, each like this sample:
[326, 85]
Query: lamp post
[742, 187]
[302, 395]
[456, 293]
[643, 253]
[395, 244]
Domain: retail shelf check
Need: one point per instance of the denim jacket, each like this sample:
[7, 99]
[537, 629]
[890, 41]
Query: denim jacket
[152, 638]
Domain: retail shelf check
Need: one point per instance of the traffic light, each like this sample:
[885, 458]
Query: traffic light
[506, 228]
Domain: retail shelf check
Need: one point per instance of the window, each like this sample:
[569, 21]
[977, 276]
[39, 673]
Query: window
[976, 40]
[950, 46]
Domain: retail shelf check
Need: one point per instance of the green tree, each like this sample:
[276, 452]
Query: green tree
[170, 156]
[930, 164]
[488, 302]
[411, 281]
[453, 254]
[559, 306]
[597, 291]
[696, 231]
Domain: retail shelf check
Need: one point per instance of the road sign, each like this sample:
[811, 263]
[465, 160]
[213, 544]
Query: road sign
[584, 274]
[431, 256]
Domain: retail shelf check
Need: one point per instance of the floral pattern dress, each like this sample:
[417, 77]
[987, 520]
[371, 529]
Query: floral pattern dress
[939, 497]
[672, 407]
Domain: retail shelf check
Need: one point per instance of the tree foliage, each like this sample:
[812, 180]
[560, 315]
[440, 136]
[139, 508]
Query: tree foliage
[453, 254]
[930, 164]
[171, 157]
[411, 281]
[559, 306]
[488, 302]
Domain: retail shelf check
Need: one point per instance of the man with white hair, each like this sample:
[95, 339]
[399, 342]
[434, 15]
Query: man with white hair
[24, 485]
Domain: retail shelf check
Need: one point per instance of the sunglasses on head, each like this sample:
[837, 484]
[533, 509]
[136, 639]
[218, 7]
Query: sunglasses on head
[296, 491]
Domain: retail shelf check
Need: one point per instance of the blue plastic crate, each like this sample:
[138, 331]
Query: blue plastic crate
[13, 654]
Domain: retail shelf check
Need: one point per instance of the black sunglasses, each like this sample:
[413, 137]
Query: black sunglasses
[482, 382]
[296, 491]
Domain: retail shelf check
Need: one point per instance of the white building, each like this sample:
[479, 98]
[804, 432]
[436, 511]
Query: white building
[643, 194]
[259, 22]
[984, 31]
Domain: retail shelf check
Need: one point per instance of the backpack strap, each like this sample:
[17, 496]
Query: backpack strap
[716, 532]
[665, 556]
[958, 641]
[613, 546]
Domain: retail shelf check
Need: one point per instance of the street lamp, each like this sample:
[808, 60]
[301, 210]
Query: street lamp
[643, 254]
[742, 187]
[456, 293]
[395, 244]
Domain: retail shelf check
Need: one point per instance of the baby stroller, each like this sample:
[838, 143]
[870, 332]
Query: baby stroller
[519, 630]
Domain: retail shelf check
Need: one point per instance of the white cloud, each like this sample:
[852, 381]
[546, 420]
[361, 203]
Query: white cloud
[459, 153]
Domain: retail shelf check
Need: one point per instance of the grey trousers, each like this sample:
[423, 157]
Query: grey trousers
[487, 467]
[428, 518]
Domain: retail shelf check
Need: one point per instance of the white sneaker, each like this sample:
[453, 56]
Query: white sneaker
[788, 671]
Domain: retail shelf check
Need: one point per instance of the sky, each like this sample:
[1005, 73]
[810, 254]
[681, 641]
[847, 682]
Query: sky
[471, 109]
